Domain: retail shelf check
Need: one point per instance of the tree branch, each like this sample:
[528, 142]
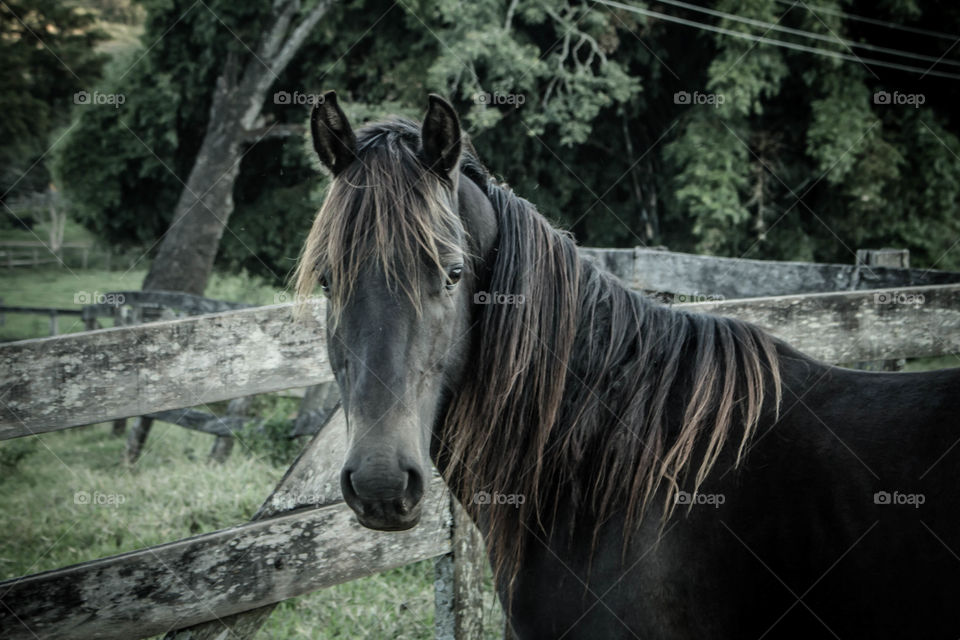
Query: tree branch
[299, 34]
[279, 46]
[275, 131]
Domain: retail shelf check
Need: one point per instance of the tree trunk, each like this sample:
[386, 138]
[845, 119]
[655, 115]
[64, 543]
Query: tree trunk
[185, 257]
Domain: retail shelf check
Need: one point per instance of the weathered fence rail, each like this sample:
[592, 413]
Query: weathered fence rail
[689, 274]
[32, 253]
[49, 383]
[96, 376]
[863, 325]
[303, 537]
[224, 426]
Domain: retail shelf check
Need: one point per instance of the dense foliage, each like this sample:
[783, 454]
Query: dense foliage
[48, 53]
[625, 128]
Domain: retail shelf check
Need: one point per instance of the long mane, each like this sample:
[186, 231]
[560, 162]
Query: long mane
[583, 391]
[591, 395]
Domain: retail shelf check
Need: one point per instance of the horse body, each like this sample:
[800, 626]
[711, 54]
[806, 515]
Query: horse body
[667, 474]
[798, 548]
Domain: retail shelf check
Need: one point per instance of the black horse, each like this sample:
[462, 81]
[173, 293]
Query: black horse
[636, 470]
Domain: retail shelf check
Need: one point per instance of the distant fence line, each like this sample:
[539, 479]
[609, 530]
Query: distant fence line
[667, 271]
[33, 253]
[232, 577]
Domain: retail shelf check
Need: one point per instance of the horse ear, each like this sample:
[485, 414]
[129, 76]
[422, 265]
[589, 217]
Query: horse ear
[332, 135]
[441, 136]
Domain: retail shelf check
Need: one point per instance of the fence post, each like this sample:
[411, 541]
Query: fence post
[223, 445]
[458, 583]
[54, 324]
[319, 403]
[119, 427]
[883, 258]
[137, 438]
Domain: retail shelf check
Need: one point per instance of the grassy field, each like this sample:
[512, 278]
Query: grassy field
[173, 492]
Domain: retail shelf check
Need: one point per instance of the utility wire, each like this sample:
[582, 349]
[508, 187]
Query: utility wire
[880, 23]
[777, 43]
[850, 44]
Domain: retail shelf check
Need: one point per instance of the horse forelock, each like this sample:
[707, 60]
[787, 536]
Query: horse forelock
[385, 209]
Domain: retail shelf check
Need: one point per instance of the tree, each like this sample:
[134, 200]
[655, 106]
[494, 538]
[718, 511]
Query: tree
[48, 50]
[797, 162]
[188, 248]
[801, 161]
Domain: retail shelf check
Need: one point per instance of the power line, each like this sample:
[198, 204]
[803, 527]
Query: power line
[777, 43]
[850, 44]
[880, 23]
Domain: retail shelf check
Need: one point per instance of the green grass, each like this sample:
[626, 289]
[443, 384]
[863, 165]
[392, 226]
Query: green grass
[930, 364]
[394, 604]
[171, 493]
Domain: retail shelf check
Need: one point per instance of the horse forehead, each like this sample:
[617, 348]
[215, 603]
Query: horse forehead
[374, 294]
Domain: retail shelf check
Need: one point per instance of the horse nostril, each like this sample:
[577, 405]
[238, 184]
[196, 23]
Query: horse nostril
[353, 487]
[412, 492]
[413, 486]
[349, 490]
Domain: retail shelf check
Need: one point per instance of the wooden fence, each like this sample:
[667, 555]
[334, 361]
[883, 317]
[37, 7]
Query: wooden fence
[30, 253]
[51, 312]
[33, 253]
[304, 537]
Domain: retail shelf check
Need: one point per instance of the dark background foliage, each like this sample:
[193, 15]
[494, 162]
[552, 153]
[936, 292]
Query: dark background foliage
[798, 162]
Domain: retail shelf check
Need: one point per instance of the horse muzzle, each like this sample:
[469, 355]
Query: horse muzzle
[386, 495]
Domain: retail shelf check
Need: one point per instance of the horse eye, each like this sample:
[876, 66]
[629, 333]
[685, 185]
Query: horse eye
[325, 285]
[453, 276]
